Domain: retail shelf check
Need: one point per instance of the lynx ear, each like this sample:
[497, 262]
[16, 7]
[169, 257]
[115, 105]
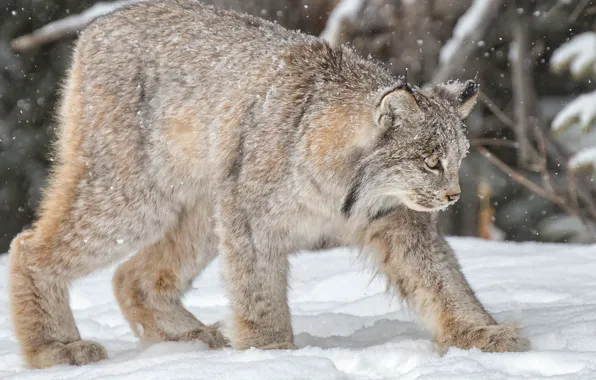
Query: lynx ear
[396, 102]
[463, 96]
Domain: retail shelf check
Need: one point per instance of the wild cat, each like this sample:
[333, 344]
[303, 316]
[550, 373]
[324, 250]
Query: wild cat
[186, 131]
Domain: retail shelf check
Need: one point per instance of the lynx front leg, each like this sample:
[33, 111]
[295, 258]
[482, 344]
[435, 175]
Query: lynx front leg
[256, 281]
[421, 265]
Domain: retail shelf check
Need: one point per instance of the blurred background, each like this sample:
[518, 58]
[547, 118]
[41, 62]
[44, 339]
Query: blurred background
[530, 174]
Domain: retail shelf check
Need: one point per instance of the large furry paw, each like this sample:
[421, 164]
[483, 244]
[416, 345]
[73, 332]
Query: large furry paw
[245, 334]
[210, 335]
[80, 352]
[493, 338]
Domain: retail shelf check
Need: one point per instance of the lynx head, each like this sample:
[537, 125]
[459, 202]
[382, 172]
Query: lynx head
[418, 150]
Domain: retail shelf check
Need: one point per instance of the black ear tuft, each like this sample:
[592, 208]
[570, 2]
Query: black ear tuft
[461, 95]
[469, 91]
[402, 84]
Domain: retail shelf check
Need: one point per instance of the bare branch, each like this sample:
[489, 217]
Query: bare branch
[470, 29]
[503, 118]
[526, 109]
[578, 10]
[572, 188]
[494, 142]
[577, 188]
[60, 28]
[536, 189]
[517, 177]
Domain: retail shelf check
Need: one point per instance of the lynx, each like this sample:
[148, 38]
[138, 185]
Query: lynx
[187, 132]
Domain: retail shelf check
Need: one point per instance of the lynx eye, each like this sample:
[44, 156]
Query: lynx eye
[432, 162]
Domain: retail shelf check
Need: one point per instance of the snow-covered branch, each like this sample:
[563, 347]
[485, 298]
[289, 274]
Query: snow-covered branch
[583, 158]
[344, 11]
[578, 55]
[60, 28]
[468, 32]
[581, 111]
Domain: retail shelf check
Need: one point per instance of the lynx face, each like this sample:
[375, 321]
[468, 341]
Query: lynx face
[417, 156]
[428, 179]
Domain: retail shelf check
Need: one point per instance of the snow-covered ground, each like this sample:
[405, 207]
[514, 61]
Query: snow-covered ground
[347, 327]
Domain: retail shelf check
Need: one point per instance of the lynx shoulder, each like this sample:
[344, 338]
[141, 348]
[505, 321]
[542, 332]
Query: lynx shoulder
[187, 132]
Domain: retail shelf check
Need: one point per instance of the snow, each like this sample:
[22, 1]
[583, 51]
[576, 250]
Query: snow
[579, 54]
[349, 328]
[470, 24]
[344, 10]
[584, 157]
[581, 110]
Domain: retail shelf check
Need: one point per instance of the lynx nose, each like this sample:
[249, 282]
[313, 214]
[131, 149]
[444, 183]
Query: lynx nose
[453, 193]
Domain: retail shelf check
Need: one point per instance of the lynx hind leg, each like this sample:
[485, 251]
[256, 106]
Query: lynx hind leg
[87, 217]
[41, 316]
[64, 245]
[46, 259]
[149, 286]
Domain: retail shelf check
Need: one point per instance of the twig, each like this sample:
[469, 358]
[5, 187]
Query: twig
[540, 140]
[60, 28]
[494, 142]
[495, 110]
[528, 117]
[578, 10]
[572, 188]
[577, 189]
[516, 176]
[469, 29]
[555, 8]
